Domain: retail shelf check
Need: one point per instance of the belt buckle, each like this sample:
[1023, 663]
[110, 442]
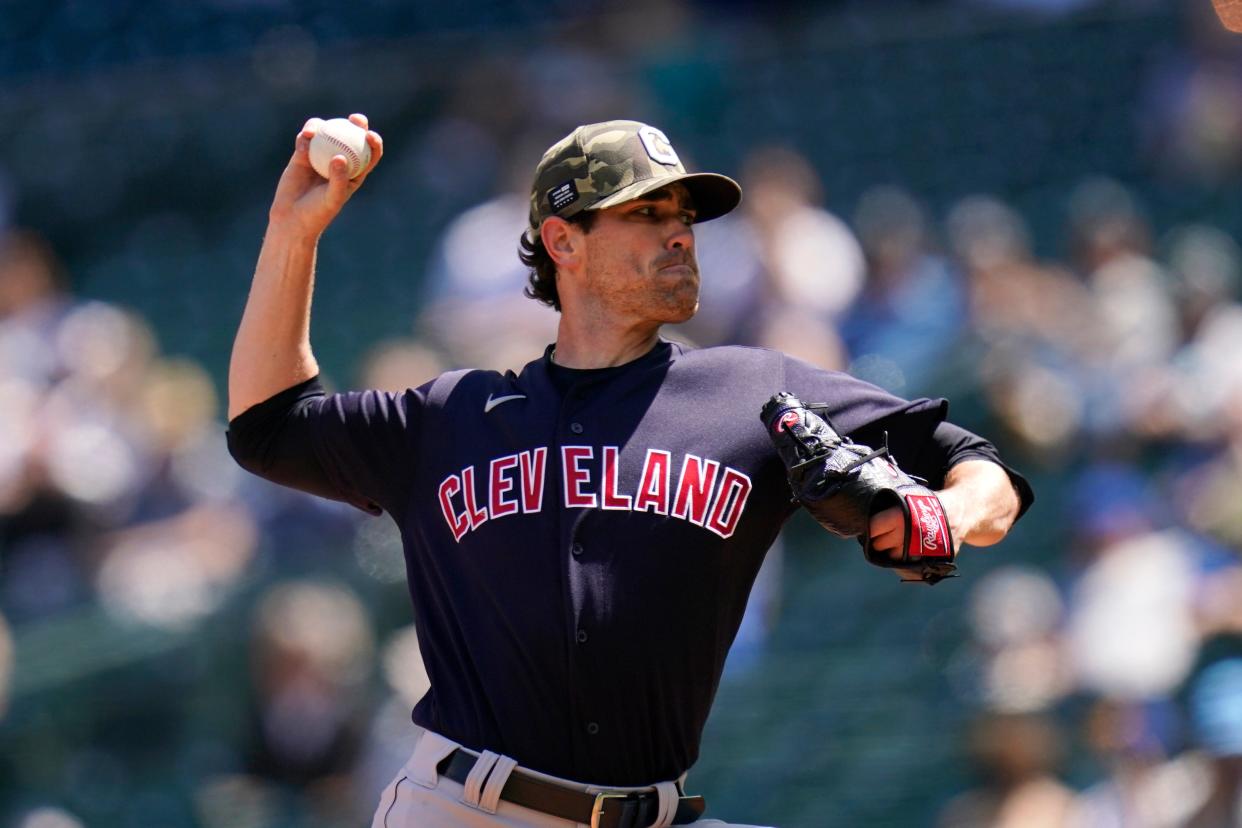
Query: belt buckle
[597, 810]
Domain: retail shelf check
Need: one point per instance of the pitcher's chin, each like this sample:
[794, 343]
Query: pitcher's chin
[681, 311]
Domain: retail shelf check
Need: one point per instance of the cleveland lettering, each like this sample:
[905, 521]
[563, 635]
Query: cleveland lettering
[693, 488]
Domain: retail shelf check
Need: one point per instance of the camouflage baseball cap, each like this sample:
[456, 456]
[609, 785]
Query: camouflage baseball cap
[601, 165]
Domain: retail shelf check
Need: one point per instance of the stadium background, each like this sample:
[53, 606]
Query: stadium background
[182, 646]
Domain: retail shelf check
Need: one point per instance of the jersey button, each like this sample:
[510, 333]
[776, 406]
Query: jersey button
[592, 728]
[576, 428]
[582, 636]
[576, 549]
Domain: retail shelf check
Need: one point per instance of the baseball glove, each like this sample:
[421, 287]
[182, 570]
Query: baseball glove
[843, 484]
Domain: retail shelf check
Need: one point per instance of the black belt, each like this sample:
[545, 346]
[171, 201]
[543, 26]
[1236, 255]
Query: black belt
[604, 810]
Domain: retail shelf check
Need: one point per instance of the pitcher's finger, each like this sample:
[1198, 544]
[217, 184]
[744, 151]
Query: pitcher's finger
[338, 181]
[311, 126]
[376, 143]
[301, 144]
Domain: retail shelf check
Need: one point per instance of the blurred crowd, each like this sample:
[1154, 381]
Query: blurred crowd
[1118, 371]
[1113, 372]
[122, 513]
[182, 644]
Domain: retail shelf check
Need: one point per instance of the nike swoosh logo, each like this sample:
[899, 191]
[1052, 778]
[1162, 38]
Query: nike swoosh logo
[492, 403]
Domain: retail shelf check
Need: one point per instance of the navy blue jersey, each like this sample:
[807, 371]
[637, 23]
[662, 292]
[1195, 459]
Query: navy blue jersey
[579, 557]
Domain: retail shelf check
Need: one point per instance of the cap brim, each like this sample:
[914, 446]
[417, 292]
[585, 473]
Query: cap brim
[713, 194]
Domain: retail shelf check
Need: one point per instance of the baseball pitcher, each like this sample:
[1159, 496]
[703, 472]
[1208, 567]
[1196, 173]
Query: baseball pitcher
[581, 535]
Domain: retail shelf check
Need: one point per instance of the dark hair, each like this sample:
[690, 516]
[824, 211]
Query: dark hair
[542, 287]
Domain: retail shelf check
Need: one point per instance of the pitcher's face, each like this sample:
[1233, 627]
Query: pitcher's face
[640, 257]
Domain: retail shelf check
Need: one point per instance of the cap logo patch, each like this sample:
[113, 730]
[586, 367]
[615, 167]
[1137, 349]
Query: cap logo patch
[658, 146]
[562, 195]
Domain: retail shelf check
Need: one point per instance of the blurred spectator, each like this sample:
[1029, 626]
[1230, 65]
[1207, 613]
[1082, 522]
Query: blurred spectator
[33, 300]
[1206, 265]
[1017, 755]
[1214, 712]
[1220, 602]
[1143, 788]
[1186, 397]
[1212, 703]
[397, 365]
[1110, 246]
[116, 492]
[1016, 617]
[812, 267]
[306, 674]
[44, 530]
[1013, 296]
[308, 711]
[912, 310]
[391, 736]
[1130, 629]
[1191, 110]
[176, 571]
[1136, 326]
[475, 309]
[1198, 788]
[1209, 491]
[1033, 324]
[106, 351]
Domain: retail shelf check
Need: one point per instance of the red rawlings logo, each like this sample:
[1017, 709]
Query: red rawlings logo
[929, 530]
[787, 421]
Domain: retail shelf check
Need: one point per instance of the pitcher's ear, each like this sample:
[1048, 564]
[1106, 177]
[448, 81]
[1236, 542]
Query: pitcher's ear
[562, 240]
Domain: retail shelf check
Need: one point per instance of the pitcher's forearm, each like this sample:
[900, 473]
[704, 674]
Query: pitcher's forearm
[981, 496]
[272, 349]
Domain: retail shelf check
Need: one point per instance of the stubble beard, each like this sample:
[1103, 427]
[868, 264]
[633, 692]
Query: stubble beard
[655, 297]
[648, 291]
[683, 300]
[678, 301]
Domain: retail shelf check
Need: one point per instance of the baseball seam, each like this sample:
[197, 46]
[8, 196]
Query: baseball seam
[355, 163]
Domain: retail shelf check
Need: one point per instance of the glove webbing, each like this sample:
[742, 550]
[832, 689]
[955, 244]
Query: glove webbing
[845, 471]
[821, 409]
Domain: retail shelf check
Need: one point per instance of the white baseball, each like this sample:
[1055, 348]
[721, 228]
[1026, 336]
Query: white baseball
[340, 136]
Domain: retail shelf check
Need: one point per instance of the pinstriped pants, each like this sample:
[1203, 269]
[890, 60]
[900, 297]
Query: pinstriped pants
[418, 797]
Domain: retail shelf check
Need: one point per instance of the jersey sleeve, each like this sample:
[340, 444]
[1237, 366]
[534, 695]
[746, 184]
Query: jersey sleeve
[357, 447]
[854, 406]
[918, 435]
